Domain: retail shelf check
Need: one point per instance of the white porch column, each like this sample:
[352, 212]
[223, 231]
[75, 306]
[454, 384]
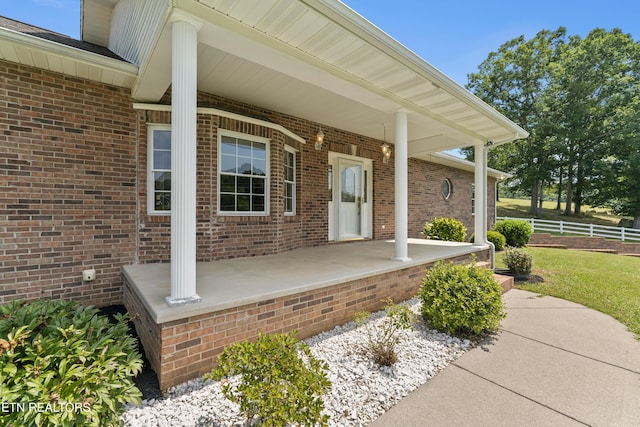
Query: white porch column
[401, 188]
[480, 182]
[183, 164]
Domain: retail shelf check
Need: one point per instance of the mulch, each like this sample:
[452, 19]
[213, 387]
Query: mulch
[146, 380]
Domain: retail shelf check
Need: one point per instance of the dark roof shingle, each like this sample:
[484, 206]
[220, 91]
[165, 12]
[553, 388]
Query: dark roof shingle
[42, 33]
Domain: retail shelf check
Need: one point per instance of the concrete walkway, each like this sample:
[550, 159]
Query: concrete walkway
[555, 363]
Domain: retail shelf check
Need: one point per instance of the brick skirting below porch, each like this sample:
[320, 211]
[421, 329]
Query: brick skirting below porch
[187, 348]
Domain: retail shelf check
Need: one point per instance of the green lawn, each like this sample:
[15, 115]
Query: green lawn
[519, 208]
[604, 282]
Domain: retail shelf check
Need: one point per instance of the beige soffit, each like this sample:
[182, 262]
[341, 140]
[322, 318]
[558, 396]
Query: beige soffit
[334, 38]
[389, 46]
[314, 59]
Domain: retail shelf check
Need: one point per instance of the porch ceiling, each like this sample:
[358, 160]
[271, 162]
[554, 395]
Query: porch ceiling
[319, 60]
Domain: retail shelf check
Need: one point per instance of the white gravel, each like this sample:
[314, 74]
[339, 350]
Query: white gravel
[361, 390]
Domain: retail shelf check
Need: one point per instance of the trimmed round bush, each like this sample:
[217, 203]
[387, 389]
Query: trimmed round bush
[448, 229]
[498, 240]
[517, 261]
[69, 359]
[461, 300]
[517, 232]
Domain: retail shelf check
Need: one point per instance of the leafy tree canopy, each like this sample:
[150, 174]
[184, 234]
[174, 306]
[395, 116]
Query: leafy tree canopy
[579, 99]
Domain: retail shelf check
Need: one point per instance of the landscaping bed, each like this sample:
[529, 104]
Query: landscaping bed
[146, 381]
[361, 390]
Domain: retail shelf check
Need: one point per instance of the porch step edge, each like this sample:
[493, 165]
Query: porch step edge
[506, 282]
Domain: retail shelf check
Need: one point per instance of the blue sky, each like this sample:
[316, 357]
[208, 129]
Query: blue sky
[455, 36]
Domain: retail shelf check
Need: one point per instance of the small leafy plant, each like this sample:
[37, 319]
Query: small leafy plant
[280, 382]
[448, 229]
[461, 300]
[63, 364]
[382, 339]
[517, 261]
[498, 240]
[516, 232]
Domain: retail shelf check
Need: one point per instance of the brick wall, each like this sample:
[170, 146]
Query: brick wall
[221, 237]
[427, 202]
[73, 170]
[68, 177]
[184, 349]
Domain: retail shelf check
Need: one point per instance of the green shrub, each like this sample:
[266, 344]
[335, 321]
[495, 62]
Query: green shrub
[461, 300]
[448, 229]
[516, 232]
[517, 260]
[280, 382]
[63, 364]
[382, 339]
[498, 240]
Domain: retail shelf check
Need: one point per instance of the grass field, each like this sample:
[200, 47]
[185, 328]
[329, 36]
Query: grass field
[604, 282]
[519, 208]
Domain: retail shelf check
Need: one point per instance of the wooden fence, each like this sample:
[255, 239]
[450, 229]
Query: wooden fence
[581, 229]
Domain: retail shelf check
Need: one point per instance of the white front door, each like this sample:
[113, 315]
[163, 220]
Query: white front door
[350, 203]
[350, 207]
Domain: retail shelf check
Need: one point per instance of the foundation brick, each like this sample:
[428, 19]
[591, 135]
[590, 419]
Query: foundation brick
[187, 355]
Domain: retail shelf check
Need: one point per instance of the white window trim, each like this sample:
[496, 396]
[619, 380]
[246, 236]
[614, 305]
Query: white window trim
[151, 127]
[294, 201]
[450, 185]
[267, 198]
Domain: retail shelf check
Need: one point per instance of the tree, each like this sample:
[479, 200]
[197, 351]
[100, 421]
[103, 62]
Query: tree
[514, 80]
[593, 82]
[620, 178]
[579, 100]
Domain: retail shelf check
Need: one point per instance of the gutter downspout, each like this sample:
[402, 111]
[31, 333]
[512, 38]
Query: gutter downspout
[485, 151]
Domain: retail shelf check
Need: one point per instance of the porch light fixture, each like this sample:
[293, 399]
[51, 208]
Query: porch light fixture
[319, 140]
[386, 148]
[386, 153]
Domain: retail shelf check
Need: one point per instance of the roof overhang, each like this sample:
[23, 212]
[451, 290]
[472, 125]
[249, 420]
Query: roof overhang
[314, 59]
[49, 55]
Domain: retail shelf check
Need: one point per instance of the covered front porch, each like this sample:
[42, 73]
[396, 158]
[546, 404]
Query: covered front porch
[309, 289]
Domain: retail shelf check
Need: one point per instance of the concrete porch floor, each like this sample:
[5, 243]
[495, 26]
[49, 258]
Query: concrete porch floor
[235, 282]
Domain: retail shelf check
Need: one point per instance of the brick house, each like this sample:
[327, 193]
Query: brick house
[179, 136]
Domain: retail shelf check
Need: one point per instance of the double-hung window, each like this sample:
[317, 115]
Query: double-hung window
[159, 167]
[289, 181]
[242, 174]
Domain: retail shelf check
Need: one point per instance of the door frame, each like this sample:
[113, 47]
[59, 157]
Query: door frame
[366, 211]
